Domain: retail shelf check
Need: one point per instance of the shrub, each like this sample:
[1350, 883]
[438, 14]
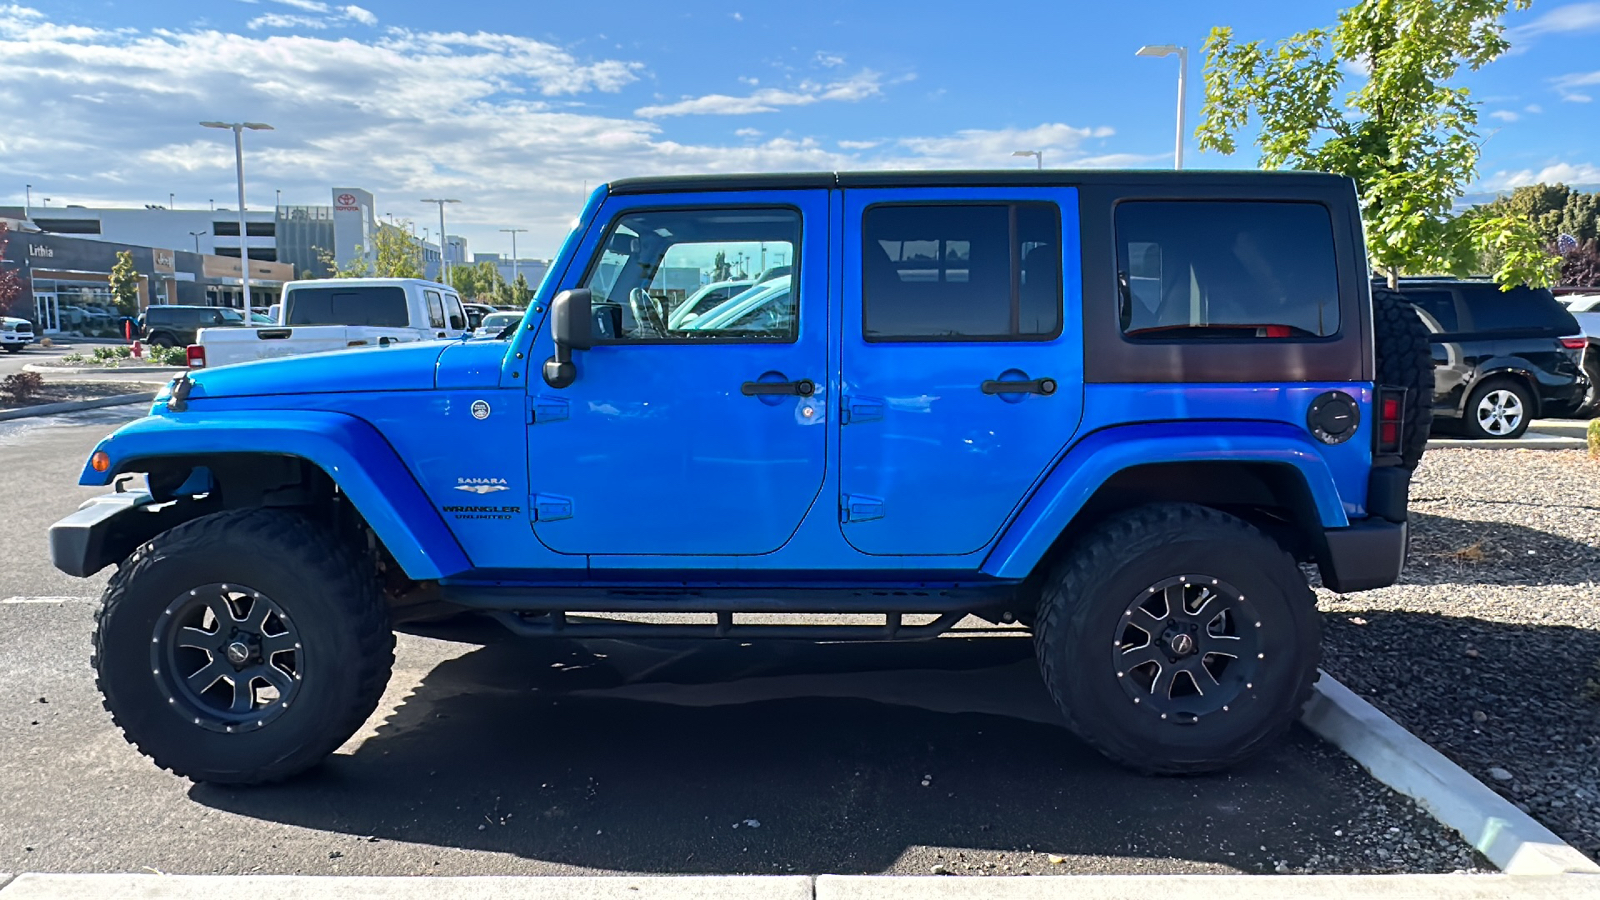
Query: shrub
[110, 354]
[74, 359]
[1594, 438]
[22, 387]
[168, 356]
[47, 343]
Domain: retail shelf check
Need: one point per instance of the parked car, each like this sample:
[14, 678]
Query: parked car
[496, 322]
[177, 326]
[963, 413]
[704, 298]
[1501, 358]
[338, 314]
[15, 333]
[475, 314]
[1586, 309]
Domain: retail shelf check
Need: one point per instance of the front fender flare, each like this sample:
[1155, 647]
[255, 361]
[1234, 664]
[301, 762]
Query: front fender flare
[352, 453]
[1101, 455]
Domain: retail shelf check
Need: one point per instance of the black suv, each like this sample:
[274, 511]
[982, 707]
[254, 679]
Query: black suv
[1500, 358]
[175, 326]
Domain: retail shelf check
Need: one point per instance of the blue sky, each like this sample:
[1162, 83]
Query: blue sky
[517, 107]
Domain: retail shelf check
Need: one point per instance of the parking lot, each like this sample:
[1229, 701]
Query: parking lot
[662, 758]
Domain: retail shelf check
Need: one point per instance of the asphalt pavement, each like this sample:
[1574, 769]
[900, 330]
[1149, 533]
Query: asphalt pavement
[511, 757]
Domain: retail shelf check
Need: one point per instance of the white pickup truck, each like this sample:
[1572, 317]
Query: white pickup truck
[336, 314]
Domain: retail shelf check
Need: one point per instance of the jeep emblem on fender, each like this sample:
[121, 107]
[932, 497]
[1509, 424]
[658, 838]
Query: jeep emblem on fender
[480, 409]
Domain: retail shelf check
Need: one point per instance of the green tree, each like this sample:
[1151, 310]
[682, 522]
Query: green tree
[1552, 209]
[10, 281]
[719, 266]
[1405, 134]
[399, 253]
[125, 284]
[359, 267]
[492, 287]
[465, 280]
[520, 292]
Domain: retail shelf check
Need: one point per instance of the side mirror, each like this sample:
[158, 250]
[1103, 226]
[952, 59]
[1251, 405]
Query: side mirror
[571, 321]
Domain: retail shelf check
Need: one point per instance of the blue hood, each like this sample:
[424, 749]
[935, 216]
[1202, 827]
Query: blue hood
[403, 367]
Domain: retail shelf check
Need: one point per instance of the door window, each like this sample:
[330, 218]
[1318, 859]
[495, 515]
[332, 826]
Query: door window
[435, 309]
[962, 273]
[1436, 308]
[700, 274]
[458, 316]
[1197, 270]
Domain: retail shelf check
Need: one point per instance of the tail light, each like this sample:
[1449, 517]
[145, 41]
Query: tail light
[196, 355]
[1575, 343]
[1391, 417]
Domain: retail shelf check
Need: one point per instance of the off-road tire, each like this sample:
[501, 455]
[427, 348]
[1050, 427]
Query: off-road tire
[1083, 606]
[319, 581]
[1404, 360]
[163, 340]
[1469, 414]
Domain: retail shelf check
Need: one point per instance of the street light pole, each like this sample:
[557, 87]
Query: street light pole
[238, 165]
[196, 236]
[1183, 71]
[444, 242]
[1038, 156]
[27, 204]
[516, 270]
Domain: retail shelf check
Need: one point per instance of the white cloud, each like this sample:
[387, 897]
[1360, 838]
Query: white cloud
[1504, 115]
[860, 86]
[1565, 173]
[286, 22]
[512, 125]
[1574, 17]
[829, 60]
[307, 5]
[748, 132]
[1533, 108]
[738, 17]
[357, 14]
[1566, 83]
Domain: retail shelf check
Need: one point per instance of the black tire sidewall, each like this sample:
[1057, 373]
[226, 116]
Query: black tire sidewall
[1097, 702]
[139, 699]
[1469, 418]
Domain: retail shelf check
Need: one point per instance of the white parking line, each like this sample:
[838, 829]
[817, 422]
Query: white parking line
[48, 600]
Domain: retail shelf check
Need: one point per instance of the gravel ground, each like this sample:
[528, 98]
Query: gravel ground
[1489, 648]
[62, 391]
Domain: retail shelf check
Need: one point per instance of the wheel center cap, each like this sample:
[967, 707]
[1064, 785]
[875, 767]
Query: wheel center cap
[1182, 644]
[238, 653]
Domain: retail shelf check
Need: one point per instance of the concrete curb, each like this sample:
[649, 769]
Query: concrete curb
[1505, 835]
[378, 887]
[799, 887]
[43, 369]
[1529, 441]
[50, 409]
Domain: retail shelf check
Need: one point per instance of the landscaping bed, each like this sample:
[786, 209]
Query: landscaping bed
[19, 391]
[1489, 648]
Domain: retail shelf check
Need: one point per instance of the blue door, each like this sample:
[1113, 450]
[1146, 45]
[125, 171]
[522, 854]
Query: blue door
[961, 361]
[698, 427]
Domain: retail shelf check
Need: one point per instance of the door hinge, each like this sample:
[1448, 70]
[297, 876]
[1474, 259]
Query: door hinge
[546, 409]
[860, 508]
[861, 409]
[547, 507]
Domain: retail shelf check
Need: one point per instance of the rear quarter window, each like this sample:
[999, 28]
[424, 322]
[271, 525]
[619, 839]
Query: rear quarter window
[1519, 309]
[379, 306]
[1226, 270]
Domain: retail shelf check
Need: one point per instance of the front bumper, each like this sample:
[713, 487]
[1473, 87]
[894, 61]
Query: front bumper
[106, 529]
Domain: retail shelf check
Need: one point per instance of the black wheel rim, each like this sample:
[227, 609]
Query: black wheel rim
[228, 657]
[1188, 647]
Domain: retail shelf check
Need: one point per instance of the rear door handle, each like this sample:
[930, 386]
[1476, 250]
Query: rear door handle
[802, 388]
[1045, 386]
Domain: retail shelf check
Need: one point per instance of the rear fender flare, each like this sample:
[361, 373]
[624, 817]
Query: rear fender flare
[1095, 459]
[352, 453]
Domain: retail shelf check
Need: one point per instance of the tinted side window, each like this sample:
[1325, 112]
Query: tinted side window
[1519, 308]
[435, 309]
[379, 306]
[958, 273]
[1226, 270]
[457, 316]
[1438, 309]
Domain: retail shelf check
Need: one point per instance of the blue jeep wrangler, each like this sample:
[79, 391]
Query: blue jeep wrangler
[1122, 409]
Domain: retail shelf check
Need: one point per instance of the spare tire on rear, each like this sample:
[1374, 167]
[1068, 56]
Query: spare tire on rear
[1404, 361]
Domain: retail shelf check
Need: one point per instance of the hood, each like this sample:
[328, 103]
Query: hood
[403, 367]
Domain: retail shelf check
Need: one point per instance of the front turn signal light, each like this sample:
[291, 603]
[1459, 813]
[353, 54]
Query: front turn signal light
[100, 461]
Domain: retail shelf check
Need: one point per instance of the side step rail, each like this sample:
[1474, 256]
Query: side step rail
[558, 625]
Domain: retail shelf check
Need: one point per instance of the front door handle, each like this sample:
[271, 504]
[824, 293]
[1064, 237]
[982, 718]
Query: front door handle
[802, 388]
[1045, 386]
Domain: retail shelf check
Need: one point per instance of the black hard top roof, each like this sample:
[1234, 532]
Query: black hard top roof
[972, 178]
